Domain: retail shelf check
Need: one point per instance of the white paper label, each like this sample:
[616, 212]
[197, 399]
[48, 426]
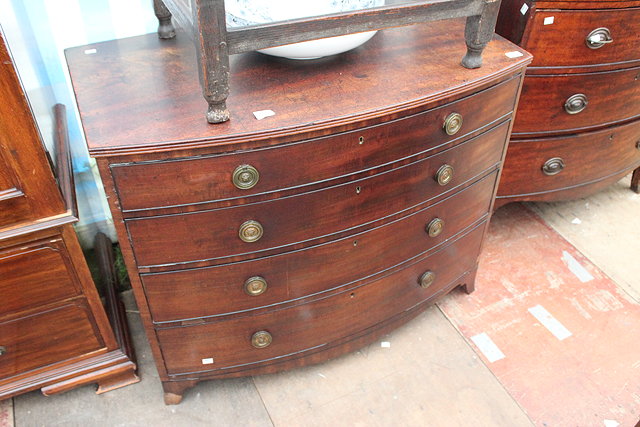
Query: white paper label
[524, 8]
[259, 115]
[513, 54]
[551, 323]
[487, 347]
[90, 51]
[548, 20]
[385, 344]
[207, 361]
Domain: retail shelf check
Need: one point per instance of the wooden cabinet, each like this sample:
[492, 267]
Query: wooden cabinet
[261, 245]
[54, 333]
[580, 105]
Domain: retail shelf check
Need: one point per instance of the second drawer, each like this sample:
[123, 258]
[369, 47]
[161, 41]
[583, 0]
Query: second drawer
[286, 277]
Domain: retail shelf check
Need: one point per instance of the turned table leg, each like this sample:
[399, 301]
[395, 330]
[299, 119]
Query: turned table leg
[165, 27]
[635, 180]
[478, 32]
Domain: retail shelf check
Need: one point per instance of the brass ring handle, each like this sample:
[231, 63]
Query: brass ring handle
[255, 286]
[3, 350]
[245, 177]
[553, 166]
[427, 278]
[576, 103]
[261, 339]
[250, 231]
[435, 227]
[598, 38]
[444, 174]
[452, 124]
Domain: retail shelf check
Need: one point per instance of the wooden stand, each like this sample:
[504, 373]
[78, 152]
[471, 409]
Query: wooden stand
[215, 42]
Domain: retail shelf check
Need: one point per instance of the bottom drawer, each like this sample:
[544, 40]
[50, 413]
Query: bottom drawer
[45, 338]
[295, 330]
[551, 164]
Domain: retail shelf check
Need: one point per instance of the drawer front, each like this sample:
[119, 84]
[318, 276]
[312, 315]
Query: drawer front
[46, 338]
[214, 234]
[217, 290]
[318, 323]
[564, 42]
[584, 158]
[611, 97]
[35, 275]
[203, 179]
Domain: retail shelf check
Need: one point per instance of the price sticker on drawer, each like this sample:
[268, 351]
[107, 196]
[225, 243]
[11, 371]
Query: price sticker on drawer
[548, 20]
[207, 361]
[524, 8]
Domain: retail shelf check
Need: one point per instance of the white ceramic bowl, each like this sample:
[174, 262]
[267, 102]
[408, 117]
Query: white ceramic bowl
[250, 12]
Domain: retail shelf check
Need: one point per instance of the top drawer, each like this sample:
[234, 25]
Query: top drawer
[564, 41]
[203, 179]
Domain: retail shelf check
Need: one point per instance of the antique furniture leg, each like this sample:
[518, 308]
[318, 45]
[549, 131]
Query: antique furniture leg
[478, 32]
[213, 56]
[635, 180]
[173, 391]
[165, 27]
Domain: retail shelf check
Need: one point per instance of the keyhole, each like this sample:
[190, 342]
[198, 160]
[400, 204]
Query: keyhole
[358, 190]
[361, 140]
[352, 294]
[355, 243]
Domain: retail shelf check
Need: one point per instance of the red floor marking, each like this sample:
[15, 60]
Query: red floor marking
[592, 375]
[6, 413]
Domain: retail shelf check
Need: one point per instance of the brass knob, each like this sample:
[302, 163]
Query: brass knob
[250, 231]
[435, 227]
[427, 279]
[255, 286]
[576, 103]
[452, 123]
[553, 166]
[3, 350]
[444, 174]
[245, 177]
[598, 38]
[261, 339]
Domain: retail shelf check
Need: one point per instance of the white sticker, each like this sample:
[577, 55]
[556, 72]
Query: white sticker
[576, 221]
[548, 20]
[259, 115]
[513, 54]
[611, 423]
[487, 347]
[550, 322]
[207, 361]
[90, 51]
[524, 8]
[576, 268]
[385, 344]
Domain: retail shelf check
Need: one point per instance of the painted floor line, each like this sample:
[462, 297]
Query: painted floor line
[551, 323]
[486, 345]
[576, 268]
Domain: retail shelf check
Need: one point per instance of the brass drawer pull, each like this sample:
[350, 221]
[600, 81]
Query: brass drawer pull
[3, 350]
[598, 38]
[452, 123]
[427, 279]
[245, 177]
[576, 103]
[250, 231]
[444, 174]
[553, 166]
[261, 339]
[255, 286]
[435, 227]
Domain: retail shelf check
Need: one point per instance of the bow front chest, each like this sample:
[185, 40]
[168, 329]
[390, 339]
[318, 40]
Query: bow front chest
[260, 245]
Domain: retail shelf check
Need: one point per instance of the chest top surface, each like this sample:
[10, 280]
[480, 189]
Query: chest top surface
[141, 94]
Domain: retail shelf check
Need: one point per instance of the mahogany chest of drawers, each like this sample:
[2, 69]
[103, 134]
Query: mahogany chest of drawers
[578, 123]
[54, 332]
[260, 245]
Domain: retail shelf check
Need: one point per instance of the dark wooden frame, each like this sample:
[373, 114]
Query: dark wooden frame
[215, 42]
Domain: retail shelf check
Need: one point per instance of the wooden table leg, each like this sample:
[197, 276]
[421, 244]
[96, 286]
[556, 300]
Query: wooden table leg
[165, 27]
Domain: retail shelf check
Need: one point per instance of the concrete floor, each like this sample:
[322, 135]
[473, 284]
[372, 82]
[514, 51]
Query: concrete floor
[429, 375]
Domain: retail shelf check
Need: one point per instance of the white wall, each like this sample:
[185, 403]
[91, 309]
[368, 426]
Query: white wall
[38, 31]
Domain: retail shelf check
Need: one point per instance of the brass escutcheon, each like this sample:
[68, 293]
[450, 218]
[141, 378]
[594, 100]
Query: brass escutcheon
[452, 123]
[444, 174]
[638, 145]
[553, 166]
[427, 279]
[261, 339]
[255, 286]
[250, 231]
[245, 177]
[576, 103]
[435, 227]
